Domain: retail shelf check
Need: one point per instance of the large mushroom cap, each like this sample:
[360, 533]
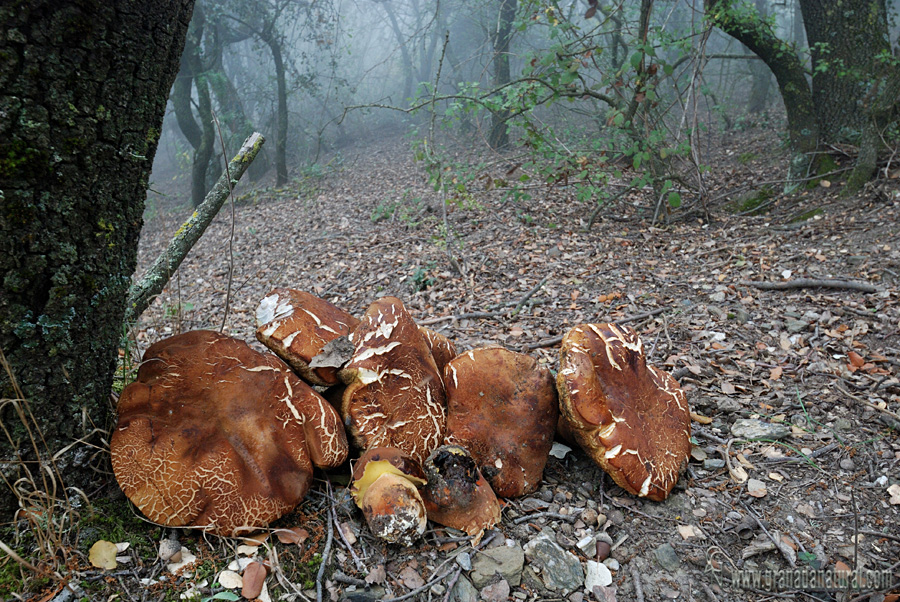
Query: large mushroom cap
[297, 325]
[456, 494]
[442, 349]
[631, 418]
[502, 407]
[394, 395]
[215, 435]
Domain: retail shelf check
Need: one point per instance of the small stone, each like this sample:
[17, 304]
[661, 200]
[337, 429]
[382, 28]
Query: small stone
[667, 558]
[617, 517]
[847, 464]
[713, 463]
[794, 326]
[596, 574]
[463, 591]
[612, 564]
[560, 570]
[741, 315]
[717, 297]
[496, 592]
[506, 560]
[588, 544]
[576, 597]
[464, 560]
[169, 549]
[842, 424]
[750, 428]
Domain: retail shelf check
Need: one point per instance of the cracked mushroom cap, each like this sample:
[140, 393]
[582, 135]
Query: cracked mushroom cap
[442, 349]
[631, 418]
[394, 395]
[297, 325]
[215, 435]
[502, 407]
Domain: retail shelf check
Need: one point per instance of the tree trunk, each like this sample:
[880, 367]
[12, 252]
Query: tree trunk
[203, 153]
[181, 101]
[881, 111]
[762, 77]
[404, 51]
[844, 37]
[83, 89]
[281, 117]
[499, 135]
[803, 128]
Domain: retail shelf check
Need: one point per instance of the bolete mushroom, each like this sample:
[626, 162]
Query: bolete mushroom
[631, 418]
[297, 325]
[394, 395]
[385, 487]
[502, 407]
[442, 349]
[216, 435]
[457, 495]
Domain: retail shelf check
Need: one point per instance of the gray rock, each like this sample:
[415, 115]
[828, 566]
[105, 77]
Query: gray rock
[508, 561]
[741, 315]
[842, 424]
[464, 560]
[667, 558]
[847, 464]
[496, 592]
[560, 570]
[713, 463]
[794, 326]
[463, 591]
[750, 428]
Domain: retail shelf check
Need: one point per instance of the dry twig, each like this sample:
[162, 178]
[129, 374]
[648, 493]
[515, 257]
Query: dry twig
[811, 283]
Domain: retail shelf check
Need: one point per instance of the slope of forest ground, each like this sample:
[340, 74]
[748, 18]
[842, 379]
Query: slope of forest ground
[818, 366]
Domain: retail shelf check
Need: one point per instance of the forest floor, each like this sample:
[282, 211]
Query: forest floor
[817, 488]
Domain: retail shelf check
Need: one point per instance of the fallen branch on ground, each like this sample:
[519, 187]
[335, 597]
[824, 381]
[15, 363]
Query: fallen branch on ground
[868, 403]
[811, 283]
[154, 281]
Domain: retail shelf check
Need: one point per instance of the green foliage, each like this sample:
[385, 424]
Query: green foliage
[423, 277]
[628, 137]
[405, 210]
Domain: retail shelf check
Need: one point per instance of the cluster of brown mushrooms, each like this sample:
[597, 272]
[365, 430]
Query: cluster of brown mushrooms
[216, 435]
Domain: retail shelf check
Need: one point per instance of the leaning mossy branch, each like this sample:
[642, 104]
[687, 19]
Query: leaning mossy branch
[154, 281]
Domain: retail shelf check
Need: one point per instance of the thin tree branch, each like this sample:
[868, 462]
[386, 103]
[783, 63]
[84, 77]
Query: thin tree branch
[811, 283]
[154, 281]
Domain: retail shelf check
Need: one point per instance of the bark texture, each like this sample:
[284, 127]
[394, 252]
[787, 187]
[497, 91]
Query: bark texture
[746, 27]
[845, 37]
[83, 88]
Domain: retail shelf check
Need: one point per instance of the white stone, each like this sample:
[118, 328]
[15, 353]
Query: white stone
[596, 574]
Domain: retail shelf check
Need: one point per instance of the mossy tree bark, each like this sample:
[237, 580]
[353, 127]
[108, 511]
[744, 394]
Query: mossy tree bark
[745, 26]
[851, 54]
[845, 40]
[83, 88]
